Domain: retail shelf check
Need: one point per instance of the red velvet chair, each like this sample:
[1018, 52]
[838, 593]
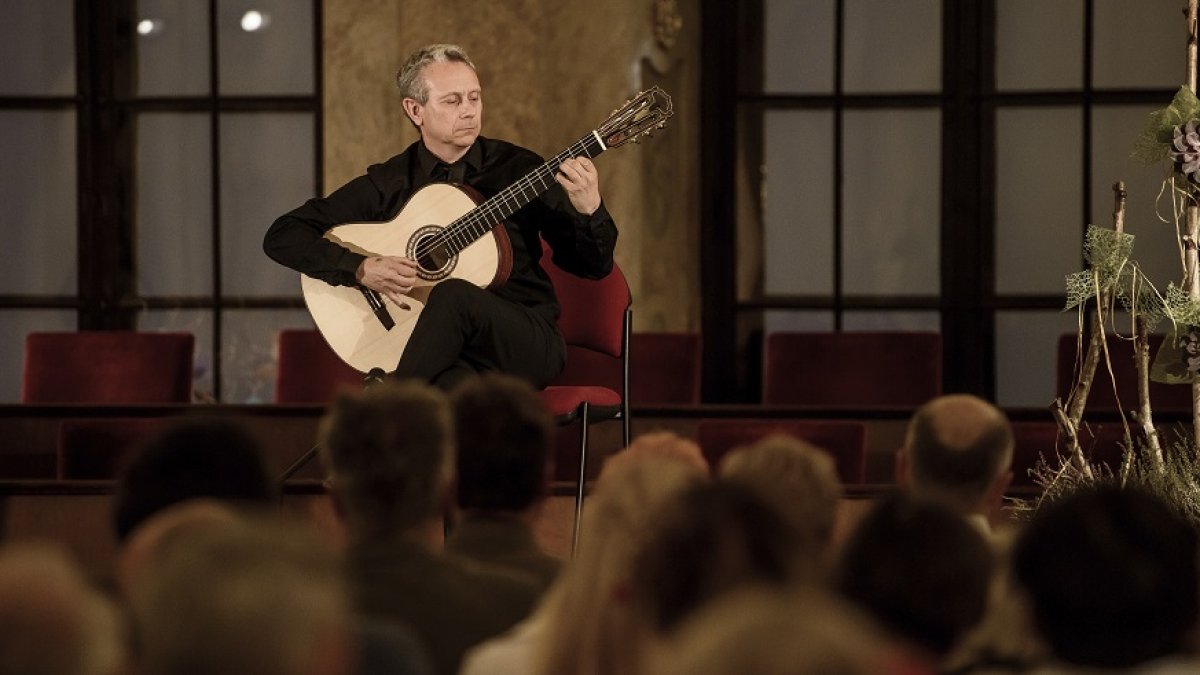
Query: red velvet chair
[1173, 398]
[108, 367]
[93, 449]
[309, 371]
[846, 442]
[664, 368]
[852, 370]
[595, 322]
[1102, 444]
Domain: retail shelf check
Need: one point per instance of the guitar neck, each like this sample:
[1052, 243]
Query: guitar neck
[480, 220]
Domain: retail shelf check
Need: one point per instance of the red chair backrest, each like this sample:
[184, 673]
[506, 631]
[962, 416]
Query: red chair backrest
[593, 310]
[846, 442]
[664, 368]
[108, 367]
[852, 369]
[1163, 397]
[309, 371]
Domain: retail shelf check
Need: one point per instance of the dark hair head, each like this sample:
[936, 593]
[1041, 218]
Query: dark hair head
[1111, 574]
[920, 569]
[212, 457]
[390, 454]
[711, 538]
[504, 436]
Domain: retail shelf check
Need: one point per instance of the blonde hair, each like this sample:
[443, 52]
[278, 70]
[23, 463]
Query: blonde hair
[796, 478]
[592, 626]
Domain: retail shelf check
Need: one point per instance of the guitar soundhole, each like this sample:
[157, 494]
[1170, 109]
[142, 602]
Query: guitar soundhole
[431, 251]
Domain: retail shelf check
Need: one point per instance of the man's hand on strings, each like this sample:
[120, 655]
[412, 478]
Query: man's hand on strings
[391, 276]
[579, 178]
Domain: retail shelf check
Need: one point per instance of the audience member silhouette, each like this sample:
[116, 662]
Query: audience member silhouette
[504, 436]
[51, 621]
[920, 570]
[588, 624]
[1112, 578]
[390, 456]
[214, 457]
[242, 597]
[706, 541]
[958, 450]
[800, 481]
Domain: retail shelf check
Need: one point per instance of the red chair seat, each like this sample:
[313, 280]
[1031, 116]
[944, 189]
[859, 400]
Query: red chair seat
[846, 442]
[565, 401]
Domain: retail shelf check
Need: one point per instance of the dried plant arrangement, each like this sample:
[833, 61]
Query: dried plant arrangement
[1112, 282]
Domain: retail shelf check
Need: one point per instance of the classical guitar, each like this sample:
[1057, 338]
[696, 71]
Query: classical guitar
[451, 234]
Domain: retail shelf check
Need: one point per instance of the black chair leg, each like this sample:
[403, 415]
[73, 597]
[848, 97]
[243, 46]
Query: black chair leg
[582, 485]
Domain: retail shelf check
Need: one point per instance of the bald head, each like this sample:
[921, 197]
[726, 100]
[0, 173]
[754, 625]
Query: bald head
[957, 448]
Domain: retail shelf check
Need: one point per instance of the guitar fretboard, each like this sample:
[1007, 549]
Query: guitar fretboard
[480, 220]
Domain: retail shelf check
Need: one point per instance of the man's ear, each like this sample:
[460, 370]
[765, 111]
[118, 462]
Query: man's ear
[414, 110]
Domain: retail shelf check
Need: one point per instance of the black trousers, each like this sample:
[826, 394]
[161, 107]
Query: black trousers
[465, 330]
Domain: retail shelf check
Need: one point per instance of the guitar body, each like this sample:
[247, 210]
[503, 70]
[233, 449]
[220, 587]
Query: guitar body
[342, 313]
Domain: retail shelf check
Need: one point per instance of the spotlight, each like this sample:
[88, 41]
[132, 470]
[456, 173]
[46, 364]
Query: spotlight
[254, 21]
[148, 27]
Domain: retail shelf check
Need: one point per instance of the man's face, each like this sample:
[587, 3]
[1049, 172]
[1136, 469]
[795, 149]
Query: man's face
[451, 117]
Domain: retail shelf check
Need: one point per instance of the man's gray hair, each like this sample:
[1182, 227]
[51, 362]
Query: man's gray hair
[410, 80]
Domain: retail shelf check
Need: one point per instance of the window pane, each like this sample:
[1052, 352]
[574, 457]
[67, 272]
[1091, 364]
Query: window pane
[1156, 248]
[38, 191]
[1039, 44]
[1026, 351]
[248, 352]
[172, 48]
[174, 204]
[198, 322]
[15, 324]
[807, 321]
[798, 46]
[1139, 44]
[37, 47]
[266, 46]
[266, 170]
[893, 46]
[891, 321]
[891, 202]
[1039, 220]
[798, 202]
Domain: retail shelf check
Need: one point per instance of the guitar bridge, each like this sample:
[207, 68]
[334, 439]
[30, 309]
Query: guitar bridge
[378, 308]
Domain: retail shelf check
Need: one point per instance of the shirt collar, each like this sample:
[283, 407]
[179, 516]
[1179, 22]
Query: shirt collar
[430, 161]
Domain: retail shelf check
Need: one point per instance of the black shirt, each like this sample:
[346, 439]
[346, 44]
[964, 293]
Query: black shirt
[582, 244]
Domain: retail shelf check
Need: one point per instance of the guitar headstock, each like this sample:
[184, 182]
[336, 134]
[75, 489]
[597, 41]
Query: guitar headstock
[639, 116]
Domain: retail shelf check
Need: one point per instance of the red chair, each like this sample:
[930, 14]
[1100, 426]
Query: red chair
[309, 371]
[852, 370]
[664, 368]
[1173, 398]
[108, 367]
[846, 442]
[595, 322]
[93, 449]
[1102, 444]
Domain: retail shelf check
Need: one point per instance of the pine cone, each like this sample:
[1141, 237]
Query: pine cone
[1185, 149]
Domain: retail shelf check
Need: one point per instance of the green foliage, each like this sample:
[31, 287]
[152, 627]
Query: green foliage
[1153, 144]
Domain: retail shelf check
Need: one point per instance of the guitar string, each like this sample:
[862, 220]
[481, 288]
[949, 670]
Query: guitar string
[486, 211]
